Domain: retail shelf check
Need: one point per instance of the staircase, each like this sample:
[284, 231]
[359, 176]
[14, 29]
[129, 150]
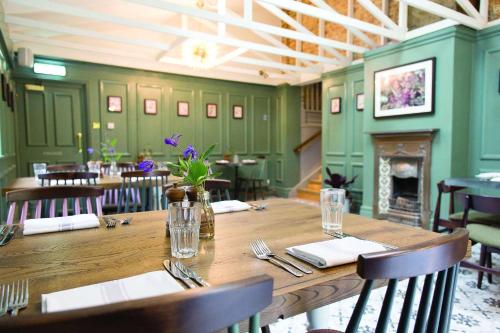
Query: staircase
[311, 190]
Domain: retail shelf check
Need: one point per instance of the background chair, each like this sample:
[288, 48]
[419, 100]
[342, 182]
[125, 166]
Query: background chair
[142, 190]
[69, 178]
[110, 197]
[218, 188]
[201, 310]
[254, 176]
[446, 253]
[49, 201]
[122, 167]
[487, 233]
[66, 168]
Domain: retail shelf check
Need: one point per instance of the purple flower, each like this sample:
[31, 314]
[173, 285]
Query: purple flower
[147, 165]
[111, 150]
[190, 151]
[173, 140]
[90, 150]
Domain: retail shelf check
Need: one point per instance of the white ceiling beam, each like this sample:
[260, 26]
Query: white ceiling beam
[403, 16]
[221, 10]
[80, 12]
[358, 33]
[238, 22]
[230, 56]
[445, 12]
[483, 9]
[276, 65]
[469, 9]
[349, 35]
[378, 14]
[335, 17]
[385, 9]
[248, 10]
[427, 29]
[178, 41]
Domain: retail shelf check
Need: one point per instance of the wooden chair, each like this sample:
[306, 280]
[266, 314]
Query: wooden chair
[200, 310]
[110, 197]
[256, 176]
[486, 233]
[442, 255]
[122, 167]
[148, 186]
[218, 188]
[48, 201]
[69, 178]
[66, 168]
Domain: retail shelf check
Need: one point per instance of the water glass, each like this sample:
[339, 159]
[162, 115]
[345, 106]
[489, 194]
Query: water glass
[184, 220]
[94, 167]
[38, 169]
[332, 206]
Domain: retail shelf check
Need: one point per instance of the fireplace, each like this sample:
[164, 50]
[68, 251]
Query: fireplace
[402, 176]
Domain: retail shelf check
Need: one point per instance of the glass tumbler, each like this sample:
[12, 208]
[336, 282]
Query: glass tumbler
[38, 169]
[332, 205]
[184, 224]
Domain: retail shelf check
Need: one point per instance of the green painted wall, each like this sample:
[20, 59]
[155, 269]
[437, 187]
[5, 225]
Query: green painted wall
[269, 114]
[342, 141]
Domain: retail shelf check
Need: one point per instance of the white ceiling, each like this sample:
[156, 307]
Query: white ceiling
[148, 34]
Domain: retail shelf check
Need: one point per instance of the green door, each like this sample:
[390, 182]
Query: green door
[50, 125]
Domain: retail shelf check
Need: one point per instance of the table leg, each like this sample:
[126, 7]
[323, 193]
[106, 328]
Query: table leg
[236, 184]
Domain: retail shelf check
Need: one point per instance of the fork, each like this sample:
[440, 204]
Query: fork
[19, 297]
[262, 256]
[181, 275]
[110, 222]
[4, 299]
[270, 253]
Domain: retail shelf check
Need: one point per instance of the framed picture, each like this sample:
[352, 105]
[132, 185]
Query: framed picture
[211, 110]
[4, 92]
[335, 105]
[150, 106]
[114, 104]
[360, 102]
[183, 109]
[238, 111]
[7, 93]
[405, 90]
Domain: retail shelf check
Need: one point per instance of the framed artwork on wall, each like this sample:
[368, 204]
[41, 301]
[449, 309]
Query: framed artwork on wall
[405, 90]
[150, 106]
[360, 102]
[114, 104]
[238, 111]
[4, 92]
[183, 109]
[335, 105]
[211, 110]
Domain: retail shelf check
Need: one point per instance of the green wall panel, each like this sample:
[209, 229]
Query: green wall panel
[238, 128]
[184, 125]
[64, 119]
[36, 119]
[156, 125]
[213, 129]
[261, 125]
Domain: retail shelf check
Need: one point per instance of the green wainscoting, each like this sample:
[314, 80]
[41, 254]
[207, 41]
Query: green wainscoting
[342, 137]
[270, 125]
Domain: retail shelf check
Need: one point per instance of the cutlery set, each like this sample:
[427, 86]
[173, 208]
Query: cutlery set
[7, 233]
[13, 297]
[112, 221]
[185, 274]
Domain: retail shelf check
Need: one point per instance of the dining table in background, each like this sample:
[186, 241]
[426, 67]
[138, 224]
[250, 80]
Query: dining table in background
[473, 182]
[236, 167]
[63, 260]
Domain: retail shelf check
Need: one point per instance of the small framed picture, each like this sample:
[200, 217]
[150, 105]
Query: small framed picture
[4, 92]
[360, 102]
[150, 106]
[183, 109]
[114, 104]
[211, 110]
[335, 105]
[238, 111]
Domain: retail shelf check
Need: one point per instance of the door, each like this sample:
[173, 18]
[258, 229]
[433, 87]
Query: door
[50, 125]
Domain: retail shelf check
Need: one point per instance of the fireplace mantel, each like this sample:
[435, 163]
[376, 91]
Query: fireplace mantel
[419, 132]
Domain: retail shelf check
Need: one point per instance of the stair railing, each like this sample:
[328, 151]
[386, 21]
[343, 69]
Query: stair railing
[307, 142]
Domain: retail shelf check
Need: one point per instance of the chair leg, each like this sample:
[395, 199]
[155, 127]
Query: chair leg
[261, 189]
[254, 190]
[488, 264]
[247, 184]
[482, 262]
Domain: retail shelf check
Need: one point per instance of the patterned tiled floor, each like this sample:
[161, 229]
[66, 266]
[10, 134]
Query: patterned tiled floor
[475, 311]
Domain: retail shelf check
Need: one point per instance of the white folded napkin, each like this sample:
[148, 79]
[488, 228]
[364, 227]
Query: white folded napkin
[334, 252]
[495, 179]
[228, 206]
[488, 175]
[222, 162]
[145, 285]
[247, 161]
[54, 224]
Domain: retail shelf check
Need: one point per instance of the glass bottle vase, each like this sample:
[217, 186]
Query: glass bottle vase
[207, 226]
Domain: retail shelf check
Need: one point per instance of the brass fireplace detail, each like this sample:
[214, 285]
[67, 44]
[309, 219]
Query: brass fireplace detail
[402, 176]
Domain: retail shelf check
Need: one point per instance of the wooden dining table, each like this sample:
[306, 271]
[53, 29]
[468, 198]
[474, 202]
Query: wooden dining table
[58, 261]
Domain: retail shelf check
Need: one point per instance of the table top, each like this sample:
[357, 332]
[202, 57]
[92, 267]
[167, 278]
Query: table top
[63, 260]
[107, 182]
[473, 182]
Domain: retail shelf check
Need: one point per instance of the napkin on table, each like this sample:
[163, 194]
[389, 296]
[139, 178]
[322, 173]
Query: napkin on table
[334, 252]
[145, 285]
[54, 224]
[228, 206]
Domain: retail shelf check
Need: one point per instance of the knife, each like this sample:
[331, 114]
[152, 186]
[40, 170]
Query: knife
[8, 236]
[175, 272]
[192, 274]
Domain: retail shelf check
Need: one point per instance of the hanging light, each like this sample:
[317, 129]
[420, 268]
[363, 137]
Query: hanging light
[199, 54]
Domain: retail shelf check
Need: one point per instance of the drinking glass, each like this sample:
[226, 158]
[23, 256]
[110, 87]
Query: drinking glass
[94, 167]
[184, 224]
[38, 169]
[332, 205]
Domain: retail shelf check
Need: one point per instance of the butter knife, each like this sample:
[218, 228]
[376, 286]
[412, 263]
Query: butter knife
[8, 235]
[192, 274]
[175, 272]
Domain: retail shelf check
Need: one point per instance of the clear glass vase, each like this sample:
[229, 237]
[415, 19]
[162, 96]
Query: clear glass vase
[113, 169]
[207, 226]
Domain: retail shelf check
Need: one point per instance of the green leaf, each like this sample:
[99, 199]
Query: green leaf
[207, 152]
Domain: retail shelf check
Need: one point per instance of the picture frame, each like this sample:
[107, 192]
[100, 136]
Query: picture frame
[211, 110]
[335, 105]
[114, 104]
[183, 109]
[238, 111]
[360, 102]
[405, 90]
[4, 92]
[150, 106]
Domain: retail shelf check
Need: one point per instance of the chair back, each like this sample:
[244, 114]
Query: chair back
[66, 168]
[218, 188]
[122, 167]
[261, 169]
[438, 221]
[441, 256]
[69, 178]
[142, 190]
[200, 310]
[49, 201]
[479, 203]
